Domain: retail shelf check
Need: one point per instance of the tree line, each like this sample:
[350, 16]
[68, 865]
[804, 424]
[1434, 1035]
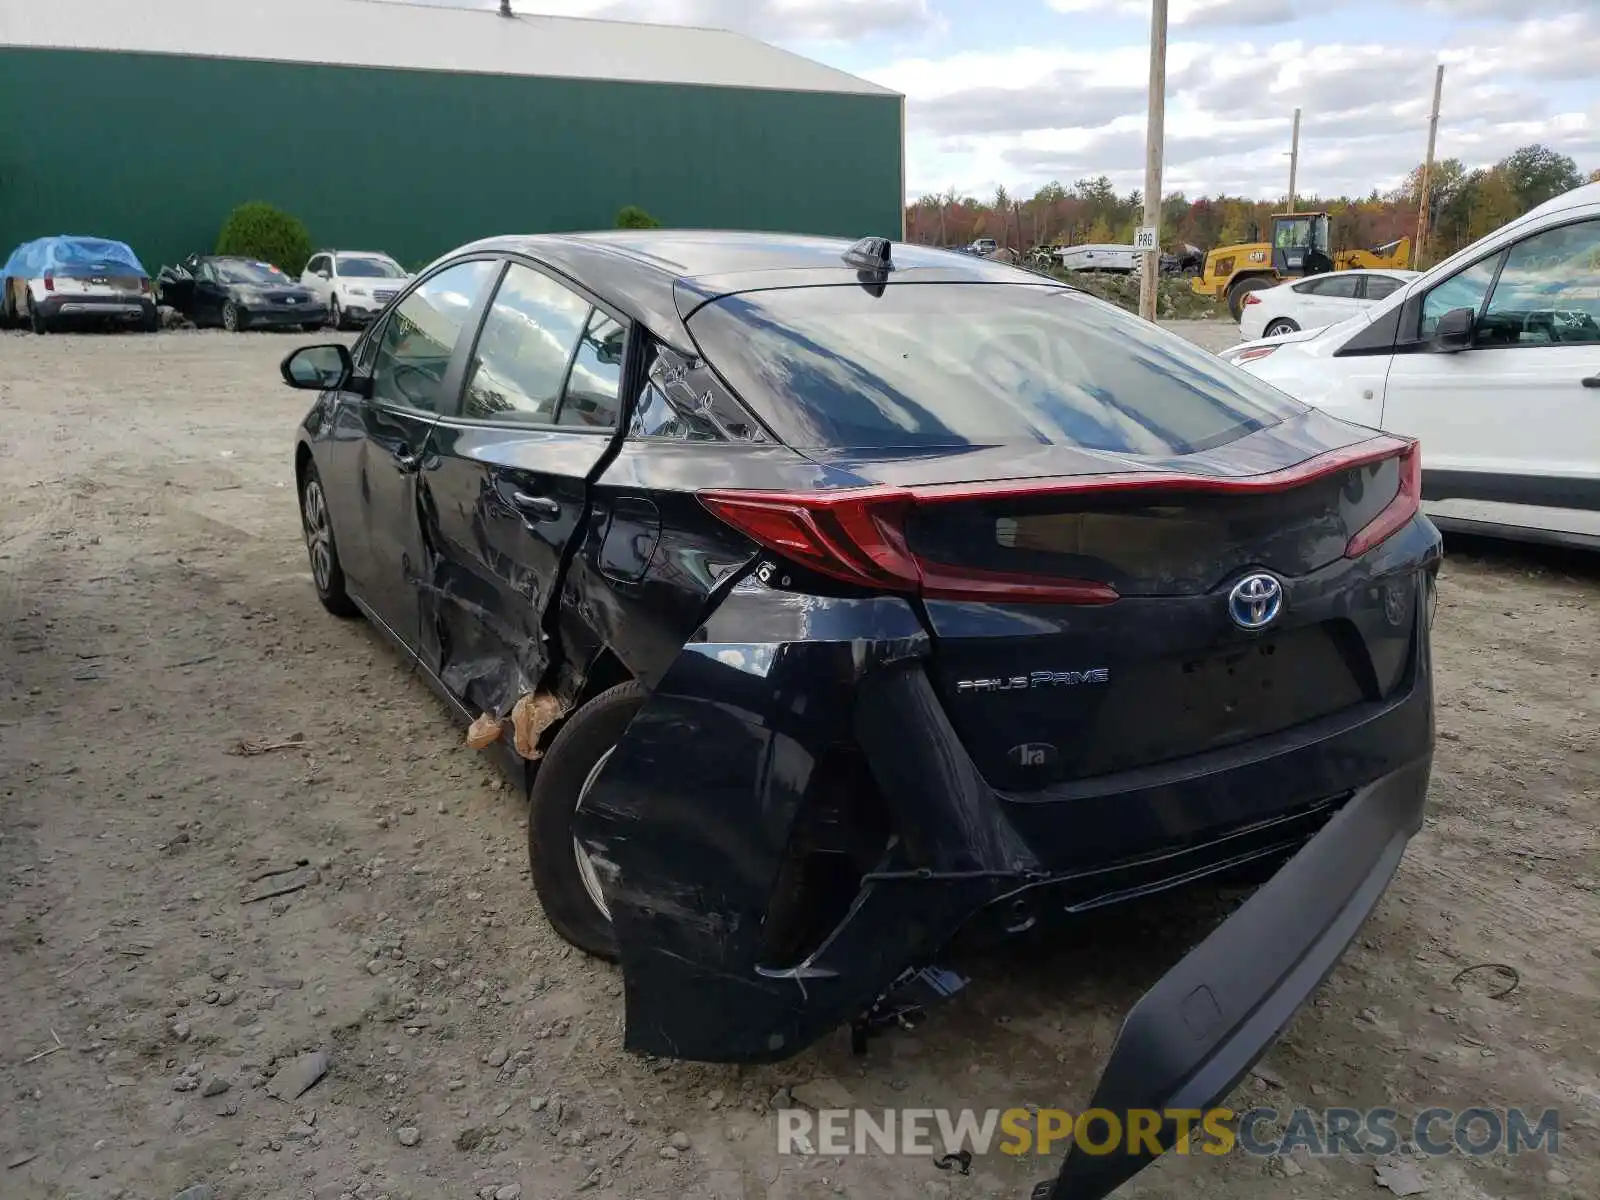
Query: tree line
[1465, 204]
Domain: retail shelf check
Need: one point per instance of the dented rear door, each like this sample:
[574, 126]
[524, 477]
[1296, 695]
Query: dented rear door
[509, 487]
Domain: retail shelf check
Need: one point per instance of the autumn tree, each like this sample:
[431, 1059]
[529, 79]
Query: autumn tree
[1537, 173]
[1468, 203]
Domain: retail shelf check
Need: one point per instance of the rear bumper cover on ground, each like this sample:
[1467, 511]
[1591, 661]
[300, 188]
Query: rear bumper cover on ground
[1196, 1033]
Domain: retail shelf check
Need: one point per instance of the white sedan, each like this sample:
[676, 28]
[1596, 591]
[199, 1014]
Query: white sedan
[1315, 302]
[1491, 360]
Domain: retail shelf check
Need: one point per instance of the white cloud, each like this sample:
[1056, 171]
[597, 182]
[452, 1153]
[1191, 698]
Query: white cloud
[1064, 114]
[770, 20]
[1196, 13]
[780, 20]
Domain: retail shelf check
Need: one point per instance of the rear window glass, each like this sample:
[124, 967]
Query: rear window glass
[926, 365]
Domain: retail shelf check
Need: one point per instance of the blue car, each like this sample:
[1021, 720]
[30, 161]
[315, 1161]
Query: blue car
[54, 282]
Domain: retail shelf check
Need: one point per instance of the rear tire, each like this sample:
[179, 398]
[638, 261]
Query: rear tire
[1237, 293]
[1280, 326]
[558, 863]
[317, 523]
[36, 319]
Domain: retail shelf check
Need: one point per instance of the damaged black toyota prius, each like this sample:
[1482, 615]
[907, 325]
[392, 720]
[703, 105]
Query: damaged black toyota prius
[830, 598]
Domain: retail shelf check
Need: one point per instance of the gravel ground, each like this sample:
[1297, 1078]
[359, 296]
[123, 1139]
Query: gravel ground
[157, 612]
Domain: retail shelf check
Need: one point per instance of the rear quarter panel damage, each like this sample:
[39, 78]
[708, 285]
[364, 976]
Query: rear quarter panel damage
[706, 786]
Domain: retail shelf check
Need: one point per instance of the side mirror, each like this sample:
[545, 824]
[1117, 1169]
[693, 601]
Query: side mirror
[317, 368]
[323, 275]
[1454, 331]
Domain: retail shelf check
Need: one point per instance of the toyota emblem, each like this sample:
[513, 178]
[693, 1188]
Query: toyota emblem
[1255, 601]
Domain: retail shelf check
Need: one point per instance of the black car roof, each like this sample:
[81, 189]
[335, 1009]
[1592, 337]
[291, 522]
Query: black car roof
[652, 271]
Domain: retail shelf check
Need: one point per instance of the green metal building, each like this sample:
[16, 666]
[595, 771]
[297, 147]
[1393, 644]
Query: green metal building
[411, 129]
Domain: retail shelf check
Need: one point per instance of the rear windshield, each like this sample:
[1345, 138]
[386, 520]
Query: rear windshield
[928, 365]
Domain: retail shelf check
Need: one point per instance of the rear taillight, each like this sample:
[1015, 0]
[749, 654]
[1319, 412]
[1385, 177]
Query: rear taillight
[1398, 512]
[858, 537]
[1251, 298]
[1251, 355]
[49, 281]
[144, 285]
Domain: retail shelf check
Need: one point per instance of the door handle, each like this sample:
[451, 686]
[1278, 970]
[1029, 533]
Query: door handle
[540, 508]
[1592, 382]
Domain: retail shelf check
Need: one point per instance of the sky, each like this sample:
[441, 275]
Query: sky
[1022, 92]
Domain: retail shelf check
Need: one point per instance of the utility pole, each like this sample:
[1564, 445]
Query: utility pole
[1427, 169]
[1294, 159]
[1154, 139]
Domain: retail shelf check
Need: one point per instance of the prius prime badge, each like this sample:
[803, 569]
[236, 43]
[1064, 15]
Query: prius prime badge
[1255, 601]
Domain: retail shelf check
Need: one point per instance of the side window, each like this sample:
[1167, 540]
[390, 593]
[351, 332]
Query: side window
[1339, 287]
[317, 264]
[1379, 286]
[1465, 289]
[414, 348]
[366, 349]
[1548, 292]
[666, 408]
[523, 353]
[206, 272]
[596, 375]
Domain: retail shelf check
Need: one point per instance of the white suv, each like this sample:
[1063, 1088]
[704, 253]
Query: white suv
[1492, 361]
[355, 284]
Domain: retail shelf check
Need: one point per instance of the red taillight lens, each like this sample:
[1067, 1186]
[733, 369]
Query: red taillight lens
[144, 284]
[858, 537]
[49, 281]
[1397, 514]
[1251, 355]
[1252, 298]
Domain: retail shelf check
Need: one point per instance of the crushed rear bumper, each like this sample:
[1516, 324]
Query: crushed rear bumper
[703, 803]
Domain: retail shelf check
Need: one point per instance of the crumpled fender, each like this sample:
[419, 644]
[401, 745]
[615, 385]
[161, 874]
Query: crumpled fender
[689, 823]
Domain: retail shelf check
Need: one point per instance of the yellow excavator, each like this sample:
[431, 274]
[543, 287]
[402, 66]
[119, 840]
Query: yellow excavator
[1299, 246]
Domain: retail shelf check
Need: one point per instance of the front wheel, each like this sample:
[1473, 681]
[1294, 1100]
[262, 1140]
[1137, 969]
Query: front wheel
[233, 320]
[326, 571]
[564, 875]
[335, 315]
[1280, 327]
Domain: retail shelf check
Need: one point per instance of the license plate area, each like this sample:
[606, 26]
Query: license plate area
[1187, 704]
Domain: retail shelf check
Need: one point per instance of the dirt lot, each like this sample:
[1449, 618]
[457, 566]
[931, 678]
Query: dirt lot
[156, 611]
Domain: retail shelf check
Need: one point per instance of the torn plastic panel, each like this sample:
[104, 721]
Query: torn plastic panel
[690, 870]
